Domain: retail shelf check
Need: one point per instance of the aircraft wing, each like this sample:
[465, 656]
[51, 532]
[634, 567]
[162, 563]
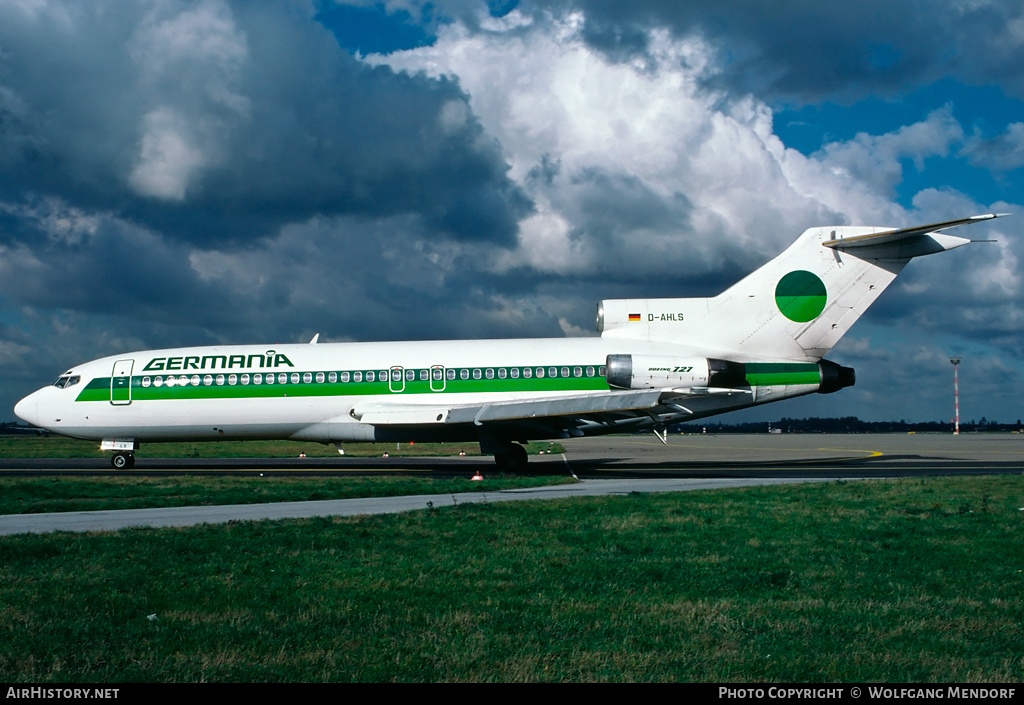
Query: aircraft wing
[389, 414]
[565, 412]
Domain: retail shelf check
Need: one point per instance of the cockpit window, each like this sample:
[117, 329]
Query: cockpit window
[67, 381]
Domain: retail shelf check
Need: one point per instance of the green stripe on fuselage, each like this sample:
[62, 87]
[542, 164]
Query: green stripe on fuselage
[99, 388]
[758, 374]
[763, 374]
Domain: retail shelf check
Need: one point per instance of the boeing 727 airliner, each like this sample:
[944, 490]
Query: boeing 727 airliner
[656, 362]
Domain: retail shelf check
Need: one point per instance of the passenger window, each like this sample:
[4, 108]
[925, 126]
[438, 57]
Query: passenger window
[502, 373]
[232, 379]
[208, 380]
[489, 373]
[146, 381]
[357, 376]
[577, 372]
[527, 372]
[476, 373]
[450, 373]
[245, 378]
[514, 372]
[195, 380]
[423, 375]
[220, 380]
[333, 377]
[565, 371]
[552, 372]
[270, 378]
[540, 372]
[282, 378]
[464, 374]
[307, 377]
[371, 375]
[410, 375]
[590, 371]
[158, 382]
[319, 377]
[257, 378]
[345, 377]
[295, 377]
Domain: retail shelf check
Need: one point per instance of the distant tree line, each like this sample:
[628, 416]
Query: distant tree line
[846, 424]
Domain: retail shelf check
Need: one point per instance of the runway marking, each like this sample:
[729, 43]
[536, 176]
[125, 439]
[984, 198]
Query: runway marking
[569, 467]
[870, 453]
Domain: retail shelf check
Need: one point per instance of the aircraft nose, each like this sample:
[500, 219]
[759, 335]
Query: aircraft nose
[28, 409]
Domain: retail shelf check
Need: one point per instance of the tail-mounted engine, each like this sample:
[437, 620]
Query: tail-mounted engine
[652, 372]
[835, 377]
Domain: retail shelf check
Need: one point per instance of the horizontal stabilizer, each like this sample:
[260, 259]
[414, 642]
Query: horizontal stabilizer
[886, 237]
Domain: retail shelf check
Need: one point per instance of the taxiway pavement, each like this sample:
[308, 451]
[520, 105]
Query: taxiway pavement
[606, 466]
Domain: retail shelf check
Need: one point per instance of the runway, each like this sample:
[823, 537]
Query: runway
[605, 466]
[735, 456]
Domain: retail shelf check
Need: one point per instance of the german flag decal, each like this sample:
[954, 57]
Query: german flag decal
[634, 317]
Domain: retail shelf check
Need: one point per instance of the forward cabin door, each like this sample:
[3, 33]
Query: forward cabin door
[121, 382]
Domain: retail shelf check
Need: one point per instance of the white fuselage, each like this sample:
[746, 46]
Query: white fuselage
[329, 392]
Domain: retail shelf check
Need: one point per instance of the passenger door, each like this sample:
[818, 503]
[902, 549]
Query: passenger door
[121, 382]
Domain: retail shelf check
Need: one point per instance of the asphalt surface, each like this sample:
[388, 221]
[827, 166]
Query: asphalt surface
[613, 465]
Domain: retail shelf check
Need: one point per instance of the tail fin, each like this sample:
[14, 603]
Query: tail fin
[795, 307]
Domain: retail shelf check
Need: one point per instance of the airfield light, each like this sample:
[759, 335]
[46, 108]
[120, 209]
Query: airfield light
[956, 396]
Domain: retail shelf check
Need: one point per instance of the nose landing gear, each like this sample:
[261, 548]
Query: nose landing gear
[124, 452]
[123, 460]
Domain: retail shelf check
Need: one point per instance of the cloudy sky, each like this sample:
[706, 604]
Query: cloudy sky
[183, 173]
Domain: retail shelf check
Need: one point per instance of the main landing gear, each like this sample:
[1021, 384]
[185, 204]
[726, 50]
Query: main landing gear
[123, 460]
[512, 457]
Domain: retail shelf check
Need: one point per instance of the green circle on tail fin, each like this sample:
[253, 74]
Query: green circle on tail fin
[800, 296]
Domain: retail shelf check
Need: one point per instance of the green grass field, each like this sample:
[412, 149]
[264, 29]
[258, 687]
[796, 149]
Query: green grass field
[908, 580]
[31, 495]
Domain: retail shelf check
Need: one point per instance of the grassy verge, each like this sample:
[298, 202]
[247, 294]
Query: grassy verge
[58, 447]
[894, 581]
[29, 495]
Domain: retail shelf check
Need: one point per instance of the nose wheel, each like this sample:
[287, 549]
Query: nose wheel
[123, 461]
